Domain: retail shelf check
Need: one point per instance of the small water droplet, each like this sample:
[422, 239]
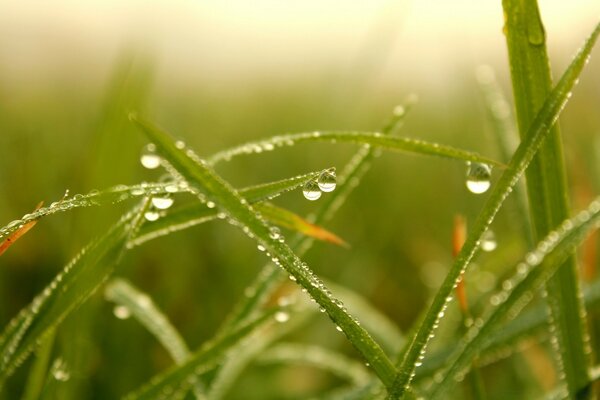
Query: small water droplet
[121, 312]
[311, 191]
[281, 317]
[261, 247]
[478, 177]
[327, 180]
[162, 203]
[60, 371]
[149, 158]
[151, 215]
[488, 241]
[338, 328]
[210, 204]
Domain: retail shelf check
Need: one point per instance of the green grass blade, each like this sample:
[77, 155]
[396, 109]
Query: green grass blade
[375, 139]
[69, 289]
[547, 184]
[39, 370]
[213, 188]
[112, 195]
[318, 357]
[519, 162]
[180, 377]
[532, 273]
[197, 213]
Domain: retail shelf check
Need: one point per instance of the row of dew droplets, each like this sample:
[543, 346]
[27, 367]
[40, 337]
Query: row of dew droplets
[326, 182]
[150, 160]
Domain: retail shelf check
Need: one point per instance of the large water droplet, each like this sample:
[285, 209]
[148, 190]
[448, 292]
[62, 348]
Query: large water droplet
[488, 241]
[327, 180]
[149, 158]
[478, 177]
[162, 203]
[311, 191]
[121, 312]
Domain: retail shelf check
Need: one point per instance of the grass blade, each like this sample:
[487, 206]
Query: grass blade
[546, 183]
[375, 139]
[69, 289]
[536, 269]
[519, 162]
[177, 379]
[209, 185]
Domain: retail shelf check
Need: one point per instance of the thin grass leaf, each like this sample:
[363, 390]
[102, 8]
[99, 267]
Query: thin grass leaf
[39, 370]
[562, 393]
[532, 273]
[210, 186]
[143, 309]
[519, 162]
[198, 213]
[69, 289]
[287, 219]
[180, 377]
[20, 231]
[547, 184]
[112, 195]
[375, 139]
[318, 357]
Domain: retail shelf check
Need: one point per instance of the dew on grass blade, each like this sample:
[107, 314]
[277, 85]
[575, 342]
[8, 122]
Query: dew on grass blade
[149, 158]
[163, 202]
[478, 177]
[488, 241]
[311, 191]
[121, 312]
[327, 180]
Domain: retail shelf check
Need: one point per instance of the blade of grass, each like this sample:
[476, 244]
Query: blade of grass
[39, 370]
[532, 273]
[546, 183]
[68, 290]
[519, 162]
[210, 185]
[318, 357]
[20, 231]
[177, 378]
[375, 139]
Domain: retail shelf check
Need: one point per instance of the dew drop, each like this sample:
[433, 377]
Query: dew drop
[327, 181]
[149, 158]
[121, 312]
[488, 241]
[478, 177]
[162, 203]
[281, 317]
[210, 204]
[311, 191]
[151, 215]
[338, 328]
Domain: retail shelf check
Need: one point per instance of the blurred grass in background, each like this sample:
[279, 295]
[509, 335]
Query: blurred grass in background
[65, 127]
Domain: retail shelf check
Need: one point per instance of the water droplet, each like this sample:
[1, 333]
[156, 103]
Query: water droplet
[327, 180]
[162, 203]
[337, 327]
[275, 233]
[478, 177]
[149, 158]
[311, 191]
[281, 317]
[59, 370]
[261, 247]
[488, 241]
[121, 312]
[210, 204]
[151, 215]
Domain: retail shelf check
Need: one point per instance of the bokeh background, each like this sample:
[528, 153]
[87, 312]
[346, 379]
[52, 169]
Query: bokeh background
[218, 73]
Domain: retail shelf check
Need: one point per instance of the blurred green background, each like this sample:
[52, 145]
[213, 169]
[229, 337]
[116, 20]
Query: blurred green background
[221, 73]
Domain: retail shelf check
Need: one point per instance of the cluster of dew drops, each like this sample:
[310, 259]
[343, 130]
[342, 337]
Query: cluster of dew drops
[479, 181]
[324, 183]
[150, 160]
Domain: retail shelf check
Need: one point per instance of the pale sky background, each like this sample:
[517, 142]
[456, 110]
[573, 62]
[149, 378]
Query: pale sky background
[228, 41]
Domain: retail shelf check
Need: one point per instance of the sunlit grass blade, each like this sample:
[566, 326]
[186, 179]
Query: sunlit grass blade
[112, 195]
[180, 377]
[193, 214]
[318, 357]
[375, 139]
[287, 219]
[519, 162]
[22, 229]
[211, 187]
[143, 309]
[547, 188]
[69, 289]
[532, 273]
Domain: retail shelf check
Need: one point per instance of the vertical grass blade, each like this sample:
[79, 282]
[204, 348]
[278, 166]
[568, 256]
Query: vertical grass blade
[212, 187]
[538, 130]
[546, 183]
